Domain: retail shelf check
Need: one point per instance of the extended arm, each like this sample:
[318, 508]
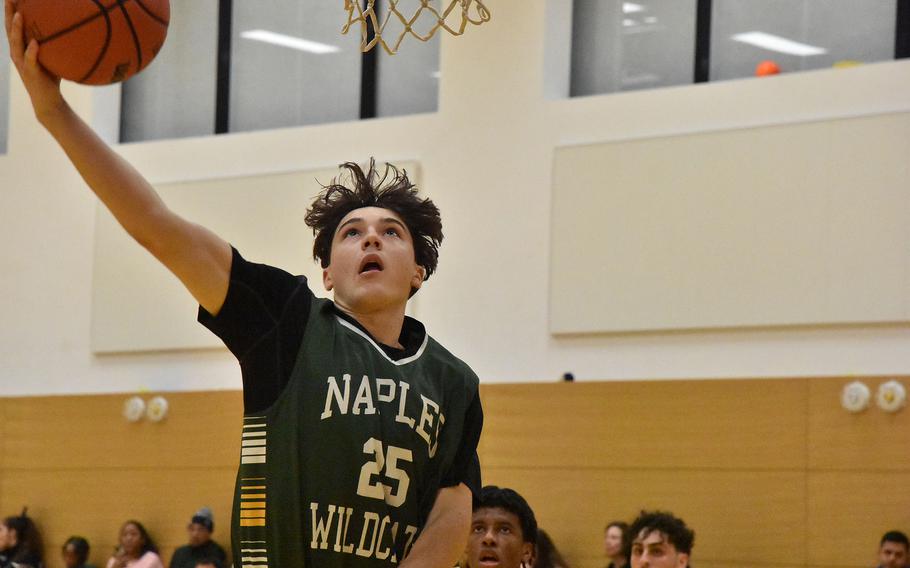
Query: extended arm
[445, 535]
[198, 257]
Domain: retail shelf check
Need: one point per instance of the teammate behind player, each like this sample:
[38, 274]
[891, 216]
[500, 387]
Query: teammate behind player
[360, 431]
[503, 531]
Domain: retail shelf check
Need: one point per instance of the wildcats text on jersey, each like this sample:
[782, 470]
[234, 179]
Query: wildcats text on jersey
[372, 535]
[387, 391]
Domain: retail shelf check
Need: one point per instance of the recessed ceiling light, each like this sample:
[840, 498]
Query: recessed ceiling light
[290, 41]
[631, 8]
[779, 44]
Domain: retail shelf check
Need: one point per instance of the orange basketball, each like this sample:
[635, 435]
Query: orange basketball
[96, 42]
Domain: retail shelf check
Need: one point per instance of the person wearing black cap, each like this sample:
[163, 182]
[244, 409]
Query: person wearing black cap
[201, 545]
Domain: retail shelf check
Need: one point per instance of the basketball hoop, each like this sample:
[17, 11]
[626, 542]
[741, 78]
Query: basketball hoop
[453, 16]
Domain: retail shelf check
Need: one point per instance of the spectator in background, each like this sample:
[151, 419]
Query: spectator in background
[201, 546]
[503, 530]
[614, 544]
[136, 550]
[892, 550]
[20, 543]
[660, 540]
[547, 555]
[75, 553]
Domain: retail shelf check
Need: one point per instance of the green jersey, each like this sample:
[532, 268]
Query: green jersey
[344, 467]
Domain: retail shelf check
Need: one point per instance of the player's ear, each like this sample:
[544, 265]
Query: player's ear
[682, 560]
[527, 553]
[417, 279]
[327, 279]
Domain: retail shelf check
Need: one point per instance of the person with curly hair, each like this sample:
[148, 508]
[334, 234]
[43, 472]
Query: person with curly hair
[503, 531]
[659, 539]
[360, 431]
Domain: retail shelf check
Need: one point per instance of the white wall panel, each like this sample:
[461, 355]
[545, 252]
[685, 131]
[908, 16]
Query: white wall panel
[774, 226]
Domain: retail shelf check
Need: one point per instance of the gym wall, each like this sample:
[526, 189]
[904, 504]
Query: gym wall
[769, 472]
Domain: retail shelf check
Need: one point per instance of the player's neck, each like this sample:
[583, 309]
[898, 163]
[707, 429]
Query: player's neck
[384, 325]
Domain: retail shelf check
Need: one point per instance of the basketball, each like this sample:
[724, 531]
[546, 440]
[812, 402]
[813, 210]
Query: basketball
[95, 42]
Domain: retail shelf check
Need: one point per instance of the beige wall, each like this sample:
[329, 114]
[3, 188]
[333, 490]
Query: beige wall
[486, 158]
[769, 472]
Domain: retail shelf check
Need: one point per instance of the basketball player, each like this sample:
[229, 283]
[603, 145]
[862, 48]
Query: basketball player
[503, 531]
[660, 540]
[360, 431]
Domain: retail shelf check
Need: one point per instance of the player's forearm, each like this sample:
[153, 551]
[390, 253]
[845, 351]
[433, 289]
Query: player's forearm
[198, 257]
[121, 188]
[443, 539]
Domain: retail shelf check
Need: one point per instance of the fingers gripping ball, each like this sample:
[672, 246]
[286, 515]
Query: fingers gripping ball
[96, 42]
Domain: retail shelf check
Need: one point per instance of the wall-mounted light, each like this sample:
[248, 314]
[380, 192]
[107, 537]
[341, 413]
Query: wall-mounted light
[157, 409]
[855, 397]
[891, 396]
[134, 409]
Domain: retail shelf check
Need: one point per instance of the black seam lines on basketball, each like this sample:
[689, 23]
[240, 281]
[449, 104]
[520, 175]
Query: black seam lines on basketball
[151, 14]
[107, 40]
[102, 11]
[129, 23]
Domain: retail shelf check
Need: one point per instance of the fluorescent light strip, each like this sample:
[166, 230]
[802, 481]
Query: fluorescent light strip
[779, 44]
[631, 8]
[290, 41]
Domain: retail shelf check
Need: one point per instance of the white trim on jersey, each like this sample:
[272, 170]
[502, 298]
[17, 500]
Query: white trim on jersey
[400, 362]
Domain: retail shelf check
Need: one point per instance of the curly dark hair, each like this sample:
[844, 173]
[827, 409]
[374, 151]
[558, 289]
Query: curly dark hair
[390, 190]
[674, 528]
[493, 497]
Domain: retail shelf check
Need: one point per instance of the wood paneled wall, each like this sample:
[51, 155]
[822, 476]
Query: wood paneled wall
[769, 473]
[83, 469]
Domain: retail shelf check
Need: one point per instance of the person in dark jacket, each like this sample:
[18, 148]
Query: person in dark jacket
[201, 546]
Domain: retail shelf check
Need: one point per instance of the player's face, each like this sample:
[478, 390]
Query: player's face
[372, 264]
[496, 540]
[654, 551]
[892, 555]
[613, 541]
[198, 534]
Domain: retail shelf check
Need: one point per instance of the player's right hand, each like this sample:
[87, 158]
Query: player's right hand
[43, 88]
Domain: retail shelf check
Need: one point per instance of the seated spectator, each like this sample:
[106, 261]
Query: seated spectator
[201, 546]
[892, 550]
[20, 543]
[503, 531]
[75, 553]
[660, 540]
[136, 550]
[547, 555]
[614, 544]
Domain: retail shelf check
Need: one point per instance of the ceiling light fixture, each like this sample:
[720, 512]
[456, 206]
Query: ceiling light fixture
[290, 41]
[778, 44]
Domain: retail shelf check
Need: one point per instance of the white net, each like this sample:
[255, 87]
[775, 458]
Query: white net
[388, 22]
